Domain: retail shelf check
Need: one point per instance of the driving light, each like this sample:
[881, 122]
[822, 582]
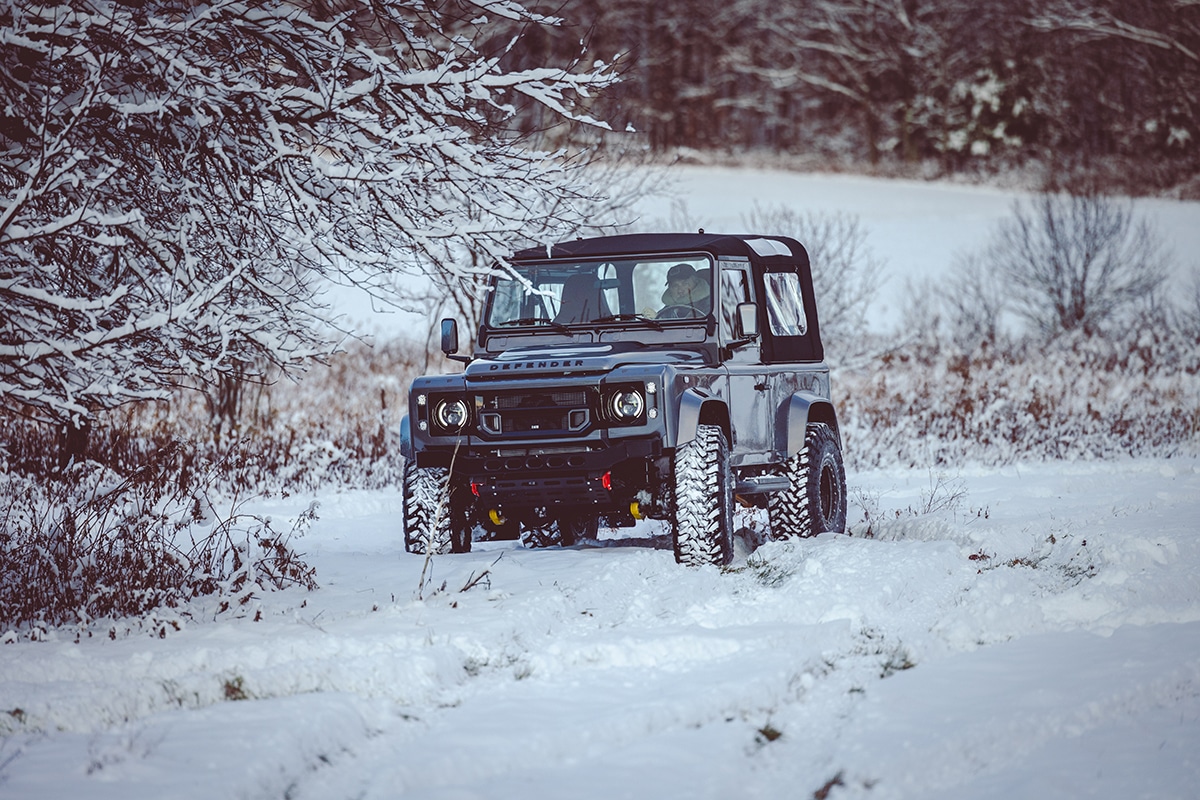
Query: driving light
[451, 414]
[627, 404]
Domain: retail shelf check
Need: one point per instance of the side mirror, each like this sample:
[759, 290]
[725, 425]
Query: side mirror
[747, 321]
[449, 336]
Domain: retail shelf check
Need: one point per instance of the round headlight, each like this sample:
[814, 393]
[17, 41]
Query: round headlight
[451, 414]
[627, 404]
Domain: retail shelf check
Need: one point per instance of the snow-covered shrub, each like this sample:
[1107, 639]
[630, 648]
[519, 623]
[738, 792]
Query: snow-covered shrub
[339, 425]
[89, 547]
[138, 529]
[1074, 262]
[1076, 397]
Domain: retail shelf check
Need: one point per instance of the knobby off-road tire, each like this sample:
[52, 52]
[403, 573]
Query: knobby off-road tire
[435, 517]
[543, 533]
[816, 501]
[539, 529]
[703, 502]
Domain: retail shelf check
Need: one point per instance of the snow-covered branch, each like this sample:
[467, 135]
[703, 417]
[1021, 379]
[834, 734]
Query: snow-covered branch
[1101, 23]
[176, 182]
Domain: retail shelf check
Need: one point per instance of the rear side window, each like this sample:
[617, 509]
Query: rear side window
[785, 304]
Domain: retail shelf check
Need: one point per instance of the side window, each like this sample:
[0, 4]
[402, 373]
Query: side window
[734, 290]
[785, 304]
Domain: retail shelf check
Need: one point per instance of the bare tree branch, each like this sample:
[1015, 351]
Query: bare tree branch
[178, 180]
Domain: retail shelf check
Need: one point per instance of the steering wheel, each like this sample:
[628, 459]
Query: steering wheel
[678, 311]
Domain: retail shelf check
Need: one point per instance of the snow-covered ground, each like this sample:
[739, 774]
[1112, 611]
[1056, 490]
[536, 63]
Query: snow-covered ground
[1032, 631]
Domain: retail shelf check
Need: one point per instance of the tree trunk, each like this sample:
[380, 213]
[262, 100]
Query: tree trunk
[73, 442]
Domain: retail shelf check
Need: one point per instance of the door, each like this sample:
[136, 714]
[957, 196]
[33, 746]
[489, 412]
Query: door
[750, 413]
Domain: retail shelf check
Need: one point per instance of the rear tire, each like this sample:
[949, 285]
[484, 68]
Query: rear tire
[816, 501]
[578, 526]
[539, 530]
[703, 500]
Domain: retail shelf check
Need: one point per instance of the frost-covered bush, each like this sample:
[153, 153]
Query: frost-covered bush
[1076, 397]
[1074, 262]
[339, 425]
[89, 548]
[152, 518]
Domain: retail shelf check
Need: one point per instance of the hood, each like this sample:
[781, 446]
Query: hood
[573, 360]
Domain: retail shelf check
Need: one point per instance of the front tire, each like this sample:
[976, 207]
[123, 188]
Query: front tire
[816, 501]
[703, 501]
[435, 516]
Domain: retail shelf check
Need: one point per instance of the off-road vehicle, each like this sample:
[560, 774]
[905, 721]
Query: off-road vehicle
[662, 376]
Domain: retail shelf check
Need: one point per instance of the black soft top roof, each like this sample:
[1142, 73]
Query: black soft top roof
[769, 254]
[760, 249]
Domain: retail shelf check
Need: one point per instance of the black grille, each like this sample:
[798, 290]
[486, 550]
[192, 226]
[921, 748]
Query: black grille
[538, 420]
[551, 412]
[542, 400]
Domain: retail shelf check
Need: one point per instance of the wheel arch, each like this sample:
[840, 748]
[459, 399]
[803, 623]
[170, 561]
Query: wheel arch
[696, 409]
[406, 446]
[803, 408]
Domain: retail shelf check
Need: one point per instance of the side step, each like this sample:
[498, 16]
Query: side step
[763, 484]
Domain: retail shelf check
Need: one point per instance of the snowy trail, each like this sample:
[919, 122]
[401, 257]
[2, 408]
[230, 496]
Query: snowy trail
[1047, 716]
[1037, 635]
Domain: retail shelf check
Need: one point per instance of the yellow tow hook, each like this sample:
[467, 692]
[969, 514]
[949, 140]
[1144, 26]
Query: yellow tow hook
[635, 509]
[496, 517]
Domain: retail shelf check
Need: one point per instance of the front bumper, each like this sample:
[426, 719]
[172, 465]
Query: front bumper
[544, 475]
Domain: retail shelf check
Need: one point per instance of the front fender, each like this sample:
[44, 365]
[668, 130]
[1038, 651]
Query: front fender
[697, 408]
[691, 403]
[406, 445]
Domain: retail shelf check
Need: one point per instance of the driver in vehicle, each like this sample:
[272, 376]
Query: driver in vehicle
[687, 287]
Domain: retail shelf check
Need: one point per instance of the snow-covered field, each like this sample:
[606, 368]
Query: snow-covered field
[1032, 631]
[1027, 631]
[916, 228]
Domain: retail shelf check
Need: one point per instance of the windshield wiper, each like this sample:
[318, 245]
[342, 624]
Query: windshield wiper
[558, 326]
[634, 317]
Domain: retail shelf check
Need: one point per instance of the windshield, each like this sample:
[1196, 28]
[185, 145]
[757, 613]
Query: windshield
[648, 289]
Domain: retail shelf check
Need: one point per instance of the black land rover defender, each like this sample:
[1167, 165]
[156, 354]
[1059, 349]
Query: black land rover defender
[627, 377]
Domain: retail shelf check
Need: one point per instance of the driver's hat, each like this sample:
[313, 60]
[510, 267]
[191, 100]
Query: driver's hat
[679, 272]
